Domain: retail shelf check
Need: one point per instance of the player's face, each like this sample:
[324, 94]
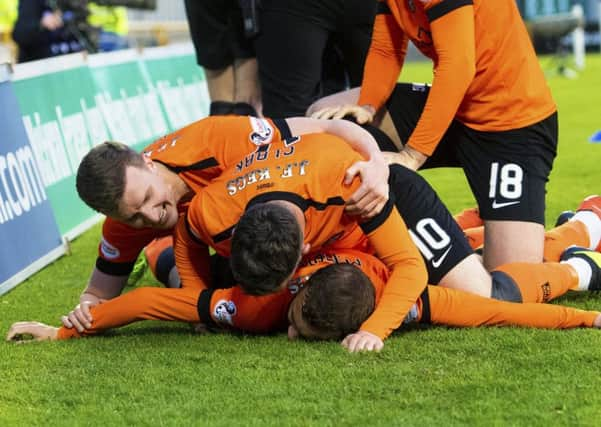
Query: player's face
[147, 201]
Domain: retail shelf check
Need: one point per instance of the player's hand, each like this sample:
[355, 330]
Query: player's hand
[80, 317]
[408, 157]
[20, 331]
[362, 341]
[372, 194]
[362, 114]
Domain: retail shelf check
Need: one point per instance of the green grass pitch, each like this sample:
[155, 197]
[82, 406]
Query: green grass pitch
[157, 374]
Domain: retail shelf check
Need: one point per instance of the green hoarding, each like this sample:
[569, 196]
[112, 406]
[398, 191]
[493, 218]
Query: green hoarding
[70, 104]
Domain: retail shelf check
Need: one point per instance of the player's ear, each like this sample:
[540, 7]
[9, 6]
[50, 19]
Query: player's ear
[306, 248]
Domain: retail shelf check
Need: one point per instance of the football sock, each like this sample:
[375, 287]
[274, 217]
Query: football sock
[468, 218]
[584, 229]
[567, 234]
[584, 271]
[592, 222]
[542, 282]
[474, 236]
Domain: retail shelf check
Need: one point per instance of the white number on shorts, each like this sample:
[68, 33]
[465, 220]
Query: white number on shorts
[431, 236]
[510, 181]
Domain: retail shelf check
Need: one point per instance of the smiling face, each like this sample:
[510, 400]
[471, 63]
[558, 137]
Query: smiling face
[147, 201]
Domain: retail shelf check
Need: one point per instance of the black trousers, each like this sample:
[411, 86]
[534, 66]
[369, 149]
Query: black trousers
[217, 32]
[295, 47]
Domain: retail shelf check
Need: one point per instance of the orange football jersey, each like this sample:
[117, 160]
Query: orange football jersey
[486, 73]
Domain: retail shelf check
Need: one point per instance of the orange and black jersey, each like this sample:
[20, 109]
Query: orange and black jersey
[486, 73]
[310, 175]
[198, 153]
[233, 309]
[436, 305]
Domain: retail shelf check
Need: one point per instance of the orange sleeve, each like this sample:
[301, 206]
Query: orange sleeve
[455, 45]
[408, 275]
[457, 308]
[191, 257]
[384, 61]
[140, 304]
[121, 243]
[233, 308]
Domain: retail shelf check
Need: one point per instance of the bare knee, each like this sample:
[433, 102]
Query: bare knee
[512, 241]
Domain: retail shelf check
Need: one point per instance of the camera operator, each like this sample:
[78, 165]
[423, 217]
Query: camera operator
[40, 32]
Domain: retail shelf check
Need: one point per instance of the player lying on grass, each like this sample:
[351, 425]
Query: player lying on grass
[338, 298]
[330, 296]
[488, 94]
[308, 183]
[159, 183]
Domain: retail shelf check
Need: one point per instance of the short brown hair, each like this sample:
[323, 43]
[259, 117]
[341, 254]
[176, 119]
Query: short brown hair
[101, 175]
[339, 298]
[266, 248]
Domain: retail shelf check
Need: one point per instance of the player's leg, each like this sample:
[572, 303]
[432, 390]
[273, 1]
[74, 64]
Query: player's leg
[449, 259]
[579, 270]
[507, 172]
[468, 218]
[247, 91]
[247, 94]
[512, 241]
[353, 36]
[582, 229]
[450, 307]
[587, 264]
[451, 262]
[289, 86]
[210, 30]
[538, 282]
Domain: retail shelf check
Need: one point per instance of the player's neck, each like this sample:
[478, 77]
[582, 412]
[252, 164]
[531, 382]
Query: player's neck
[295, 210]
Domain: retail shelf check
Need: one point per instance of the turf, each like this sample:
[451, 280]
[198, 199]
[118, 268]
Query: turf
[156, 373]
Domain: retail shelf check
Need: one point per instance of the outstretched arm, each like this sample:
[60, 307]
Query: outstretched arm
[146, 303]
